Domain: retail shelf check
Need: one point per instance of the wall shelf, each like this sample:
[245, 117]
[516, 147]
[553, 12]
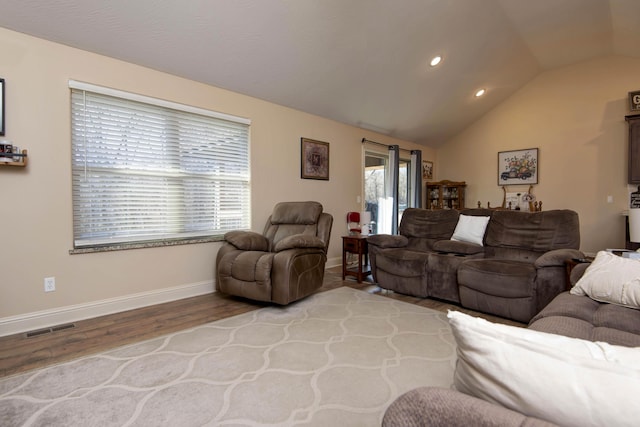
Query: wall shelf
[9, 160]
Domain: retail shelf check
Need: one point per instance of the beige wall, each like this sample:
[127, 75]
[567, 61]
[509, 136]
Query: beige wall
[575, 116]
[35, 209]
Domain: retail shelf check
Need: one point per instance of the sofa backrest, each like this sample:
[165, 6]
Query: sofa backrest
[509, 234]
[514, 232]
[289, 218]
[424, 227]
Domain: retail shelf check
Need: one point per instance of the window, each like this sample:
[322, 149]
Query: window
[147, 170]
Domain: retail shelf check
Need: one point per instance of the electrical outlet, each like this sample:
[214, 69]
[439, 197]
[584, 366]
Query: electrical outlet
[49, 284]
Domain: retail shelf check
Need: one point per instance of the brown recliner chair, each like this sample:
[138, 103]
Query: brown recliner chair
[284, 263]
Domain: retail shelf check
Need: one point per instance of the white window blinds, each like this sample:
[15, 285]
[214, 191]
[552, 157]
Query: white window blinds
[149, 170]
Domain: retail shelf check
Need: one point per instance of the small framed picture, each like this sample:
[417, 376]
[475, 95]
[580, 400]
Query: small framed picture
[1, 107]
[518, 167]
[634, 101]
[427, 170]
[314, 162]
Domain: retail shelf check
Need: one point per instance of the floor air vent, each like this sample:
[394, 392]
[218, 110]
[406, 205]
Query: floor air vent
[39, 332]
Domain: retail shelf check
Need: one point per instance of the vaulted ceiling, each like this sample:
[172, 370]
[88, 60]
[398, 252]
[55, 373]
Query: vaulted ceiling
[360, 62]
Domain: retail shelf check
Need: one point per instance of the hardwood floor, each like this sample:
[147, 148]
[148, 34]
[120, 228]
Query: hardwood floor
[21, 353]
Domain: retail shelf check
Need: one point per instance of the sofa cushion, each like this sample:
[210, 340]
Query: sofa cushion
[402, 262]
[434, 406]
[563, 380]
[581, 317]
[509, 279]
[456, 247]
[536, 231]
[611, 279]
[427, 224]
[617, 317]
[567, 305]
[470, 229]
[576, 328]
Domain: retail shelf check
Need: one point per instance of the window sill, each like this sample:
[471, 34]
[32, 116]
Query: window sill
[144, 245]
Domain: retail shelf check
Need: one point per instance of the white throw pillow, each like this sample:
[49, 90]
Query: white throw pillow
[470, 229]
[611, 278]
[567, 381]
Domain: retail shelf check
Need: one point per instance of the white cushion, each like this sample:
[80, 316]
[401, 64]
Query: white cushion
[611, 278]
[470, 229]
[567, 381]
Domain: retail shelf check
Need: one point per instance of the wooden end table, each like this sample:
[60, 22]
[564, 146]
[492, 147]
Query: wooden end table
[356, 244]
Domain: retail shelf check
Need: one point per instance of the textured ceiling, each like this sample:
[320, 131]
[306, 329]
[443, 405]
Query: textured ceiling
[360, 62]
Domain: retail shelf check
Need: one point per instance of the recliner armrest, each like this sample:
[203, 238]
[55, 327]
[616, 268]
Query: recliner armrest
[557, 257]
[388, 241]
[247, 240]
[295, 241]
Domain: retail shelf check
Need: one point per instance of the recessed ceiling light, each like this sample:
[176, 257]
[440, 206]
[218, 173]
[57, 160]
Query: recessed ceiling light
[480, 92]
[435, 61]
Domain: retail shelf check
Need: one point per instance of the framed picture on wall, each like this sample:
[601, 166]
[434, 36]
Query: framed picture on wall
[427, 170]
[518, 167]
[314, 162]
[634, 101]
[1, 107]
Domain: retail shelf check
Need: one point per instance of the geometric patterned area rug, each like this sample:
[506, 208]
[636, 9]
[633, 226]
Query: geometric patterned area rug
[336, 358]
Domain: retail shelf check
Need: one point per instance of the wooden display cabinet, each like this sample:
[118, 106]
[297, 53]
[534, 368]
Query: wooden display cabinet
[445, 195]
[634, 148]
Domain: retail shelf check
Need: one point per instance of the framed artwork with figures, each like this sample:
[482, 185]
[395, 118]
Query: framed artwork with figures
[427, 170]
[314, 162]
[518, 167]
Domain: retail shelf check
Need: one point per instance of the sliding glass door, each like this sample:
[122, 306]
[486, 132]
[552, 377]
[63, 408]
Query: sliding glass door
[379, 190]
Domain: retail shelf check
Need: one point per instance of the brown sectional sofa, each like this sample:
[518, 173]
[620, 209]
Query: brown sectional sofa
[568, 315]
[516, 272]
[581, 317]
[441, 407]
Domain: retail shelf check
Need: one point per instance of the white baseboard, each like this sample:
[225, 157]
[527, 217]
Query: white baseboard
[333, 262]
[73, 313]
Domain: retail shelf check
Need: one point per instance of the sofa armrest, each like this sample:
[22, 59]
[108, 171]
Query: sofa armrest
[247, 240]
[577, 272]
[299, 241]
[434, 406]
[388, 241]
[557, 257]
